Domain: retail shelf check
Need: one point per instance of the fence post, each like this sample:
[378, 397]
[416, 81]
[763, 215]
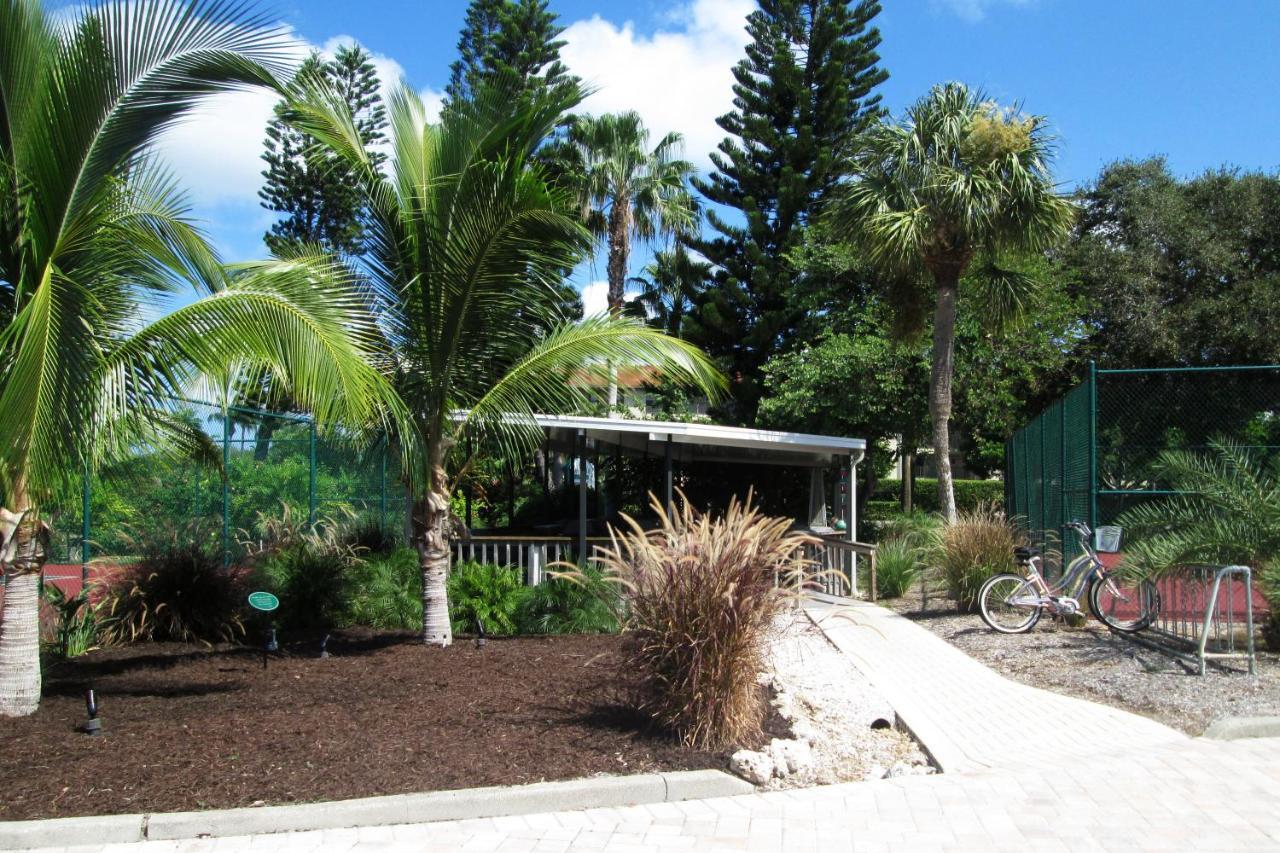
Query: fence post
[1093, 445]
[85, 530]
[382, 493]
[226, 486]
[1062, 479]
[311, 482]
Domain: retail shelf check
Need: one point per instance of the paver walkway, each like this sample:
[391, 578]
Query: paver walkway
[970, 717]
[1027, 771]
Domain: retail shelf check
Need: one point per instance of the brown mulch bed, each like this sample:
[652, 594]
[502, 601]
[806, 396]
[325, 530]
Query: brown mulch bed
[194, 728]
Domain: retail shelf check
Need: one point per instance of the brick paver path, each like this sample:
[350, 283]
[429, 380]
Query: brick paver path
[967, 715]
[1028, 771]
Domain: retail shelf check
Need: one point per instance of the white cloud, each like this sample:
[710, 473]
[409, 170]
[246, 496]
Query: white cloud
[595, 298]
[679, 78]
[217, 150]
[976, 10]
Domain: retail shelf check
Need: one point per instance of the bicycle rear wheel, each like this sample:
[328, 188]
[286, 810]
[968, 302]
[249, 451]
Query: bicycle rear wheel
[1005, 603]
[1123, 605]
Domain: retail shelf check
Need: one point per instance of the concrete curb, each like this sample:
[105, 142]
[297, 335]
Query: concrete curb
[1239, 728]
[572, 795]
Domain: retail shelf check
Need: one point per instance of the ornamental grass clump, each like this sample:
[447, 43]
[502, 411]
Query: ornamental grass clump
[700, 594]
[974, 547]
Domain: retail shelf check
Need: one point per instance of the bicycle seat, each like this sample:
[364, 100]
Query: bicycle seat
[1025, 553]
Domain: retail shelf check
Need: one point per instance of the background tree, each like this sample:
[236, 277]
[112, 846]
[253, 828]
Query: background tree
[626, 190]
[1178, 273]
[667, 287]
[802, 95]
[97, 235]
[312, 188]
[956, 180]
[512, 44]
[469, 238]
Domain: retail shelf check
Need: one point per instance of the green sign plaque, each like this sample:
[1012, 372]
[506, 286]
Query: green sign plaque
[263, 601]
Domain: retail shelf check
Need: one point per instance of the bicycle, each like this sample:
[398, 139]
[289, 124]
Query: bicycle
[1012, 603]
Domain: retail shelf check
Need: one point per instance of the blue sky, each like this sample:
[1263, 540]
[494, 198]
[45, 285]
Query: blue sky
[1117, 78]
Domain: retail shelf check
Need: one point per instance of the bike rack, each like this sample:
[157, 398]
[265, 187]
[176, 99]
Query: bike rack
[1198, 621]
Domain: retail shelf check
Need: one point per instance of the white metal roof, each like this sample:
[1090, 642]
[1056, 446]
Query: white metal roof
[705, 442]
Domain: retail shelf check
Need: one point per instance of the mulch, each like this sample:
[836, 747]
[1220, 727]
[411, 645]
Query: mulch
[190, 727]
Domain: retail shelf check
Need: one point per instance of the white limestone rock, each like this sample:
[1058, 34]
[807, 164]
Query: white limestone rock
[756, 767]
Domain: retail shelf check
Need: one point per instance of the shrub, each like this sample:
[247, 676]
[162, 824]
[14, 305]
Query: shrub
[178, 592]
[702, 596]
[388, 591]
[77, 625]
[916, 527]
[492, 594]
[369, 535]
[970, 494]
[308, 567]
[978, 545]
[584, 604]
[897, 567]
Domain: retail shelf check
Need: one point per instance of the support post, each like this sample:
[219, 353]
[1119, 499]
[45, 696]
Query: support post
[382, 484]
[226, 486]
[466, 489]
[582, 497]
[311, 479]
[667, 477]
[1093, 445]
[85, 529]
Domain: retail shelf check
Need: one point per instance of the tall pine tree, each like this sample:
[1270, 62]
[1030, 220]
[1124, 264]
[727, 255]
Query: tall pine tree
[309, 185]
[802, 94]
[513, 43]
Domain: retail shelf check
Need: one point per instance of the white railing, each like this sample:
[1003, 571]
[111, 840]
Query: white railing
[530, 554]
[845, 569]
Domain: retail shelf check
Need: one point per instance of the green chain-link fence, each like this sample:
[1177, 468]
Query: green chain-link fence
[1090, 455]
[272, 460]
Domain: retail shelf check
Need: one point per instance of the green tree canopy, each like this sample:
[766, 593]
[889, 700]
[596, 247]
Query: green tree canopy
[1178, 273]
[510, 44]
[802, 95]
[312, 188]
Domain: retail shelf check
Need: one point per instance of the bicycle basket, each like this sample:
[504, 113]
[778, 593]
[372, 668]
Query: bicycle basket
[1107, 539]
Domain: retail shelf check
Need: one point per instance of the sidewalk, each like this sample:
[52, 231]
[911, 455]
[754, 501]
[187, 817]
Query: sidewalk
[969, 717]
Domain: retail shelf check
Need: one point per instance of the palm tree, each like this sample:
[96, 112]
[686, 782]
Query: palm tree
[627, 191]
[667, 286]
[957, 179]
[93, 235]
[468, 240]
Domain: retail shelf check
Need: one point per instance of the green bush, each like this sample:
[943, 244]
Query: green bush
[313, 583]
[492, 594]
[916, 527]
[585, 604]
[897, 567]
[176, 592]
[388, 591]
[978, 545]
[970, 494]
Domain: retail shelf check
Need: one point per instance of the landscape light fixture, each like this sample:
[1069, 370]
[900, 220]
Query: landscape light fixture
[479, 633]
[92, 726]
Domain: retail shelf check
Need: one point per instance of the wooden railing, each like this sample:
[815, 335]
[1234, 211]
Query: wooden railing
[530, 554]
[845, 568]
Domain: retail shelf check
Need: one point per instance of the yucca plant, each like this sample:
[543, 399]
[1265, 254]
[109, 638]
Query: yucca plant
[977, 545]
[699, 597]
[95, 237]
[1227, 512]
[76, 630]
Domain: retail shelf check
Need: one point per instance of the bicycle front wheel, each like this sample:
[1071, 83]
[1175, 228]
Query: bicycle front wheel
[1124, 605]
[1009, 604]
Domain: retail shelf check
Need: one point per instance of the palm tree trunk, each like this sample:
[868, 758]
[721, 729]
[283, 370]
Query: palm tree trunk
[431, 539]
[944, 338]
[20, 617]
[619, 252]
